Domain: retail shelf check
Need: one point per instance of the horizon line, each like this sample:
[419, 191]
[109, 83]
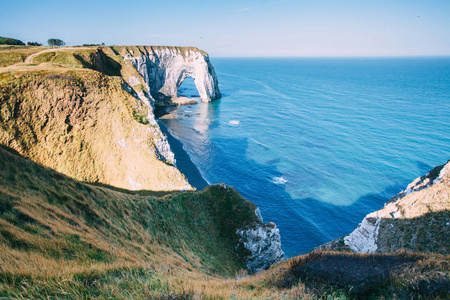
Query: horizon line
[342, 56]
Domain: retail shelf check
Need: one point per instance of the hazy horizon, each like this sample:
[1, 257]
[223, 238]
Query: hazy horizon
[249, 28]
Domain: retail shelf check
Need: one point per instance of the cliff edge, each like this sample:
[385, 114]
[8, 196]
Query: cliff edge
[417, 219]
[165, 68]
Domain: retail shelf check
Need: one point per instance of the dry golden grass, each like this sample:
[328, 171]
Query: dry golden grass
[10, 55]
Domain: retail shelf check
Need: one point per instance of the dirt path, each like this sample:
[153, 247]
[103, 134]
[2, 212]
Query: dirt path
[24, 66]
[29, 58]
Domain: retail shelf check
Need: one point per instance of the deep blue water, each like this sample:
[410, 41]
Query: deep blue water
[319, 143]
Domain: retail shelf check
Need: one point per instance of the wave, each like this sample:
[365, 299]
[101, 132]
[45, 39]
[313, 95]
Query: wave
[279, 180]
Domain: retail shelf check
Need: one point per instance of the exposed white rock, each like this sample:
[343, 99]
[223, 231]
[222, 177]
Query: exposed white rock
[264, 243]
[364, 238]
[423, 182]
[133, 81]
[258, 214]
[445, 170]
[164, 69]
[134, 185]
[122, 143]
[162, 149]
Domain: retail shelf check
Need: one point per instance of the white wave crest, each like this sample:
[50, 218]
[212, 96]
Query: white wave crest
[279, 180]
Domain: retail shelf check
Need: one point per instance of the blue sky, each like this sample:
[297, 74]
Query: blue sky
[240, 28]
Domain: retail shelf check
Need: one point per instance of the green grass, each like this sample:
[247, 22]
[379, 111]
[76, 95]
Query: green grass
[49, 213]
[141, 116]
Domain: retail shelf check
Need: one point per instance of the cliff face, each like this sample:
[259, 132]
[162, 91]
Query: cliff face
[264, 243]
[417, 219]
[165, 68]
[73, 111]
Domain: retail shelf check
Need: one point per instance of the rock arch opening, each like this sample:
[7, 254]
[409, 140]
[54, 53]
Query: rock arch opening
[188, 88]
[165, 68]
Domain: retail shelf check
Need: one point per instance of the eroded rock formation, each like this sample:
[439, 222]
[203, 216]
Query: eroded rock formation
[165, 68]
[264, 243]
[416, 219]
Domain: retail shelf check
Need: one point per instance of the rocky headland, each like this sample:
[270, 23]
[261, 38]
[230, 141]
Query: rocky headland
[416, 219]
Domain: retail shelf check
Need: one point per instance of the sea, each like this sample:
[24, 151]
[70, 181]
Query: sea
[315, 143]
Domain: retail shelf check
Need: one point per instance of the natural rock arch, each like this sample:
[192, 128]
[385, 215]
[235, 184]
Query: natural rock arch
[165, 69]
[185, 88]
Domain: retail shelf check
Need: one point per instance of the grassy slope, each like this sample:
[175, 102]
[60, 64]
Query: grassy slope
[81, 122]
[61, 238]
[54, 228]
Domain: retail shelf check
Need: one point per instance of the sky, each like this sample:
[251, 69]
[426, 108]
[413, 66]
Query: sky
[240, 28]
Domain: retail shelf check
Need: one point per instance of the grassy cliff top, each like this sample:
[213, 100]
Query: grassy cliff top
[16, 54]
[143, 49]
[61, 238]
[13, 54]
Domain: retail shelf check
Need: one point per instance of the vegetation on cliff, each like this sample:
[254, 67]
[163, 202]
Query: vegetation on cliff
[61, 238]
[55, 228]
[72, 136]
[417, 219]
[16, 54]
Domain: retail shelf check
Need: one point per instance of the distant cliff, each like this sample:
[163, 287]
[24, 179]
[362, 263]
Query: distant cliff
[417, 219]
[165, 68]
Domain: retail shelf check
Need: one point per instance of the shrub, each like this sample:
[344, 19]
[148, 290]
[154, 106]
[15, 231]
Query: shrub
[10, 41]
[34, 44]
[55, 42]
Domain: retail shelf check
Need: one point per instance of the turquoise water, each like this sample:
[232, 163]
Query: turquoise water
[318, 143]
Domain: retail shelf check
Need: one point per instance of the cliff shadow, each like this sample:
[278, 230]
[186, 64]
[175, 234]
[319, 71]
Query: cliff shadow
[183, 161]
[100, 62]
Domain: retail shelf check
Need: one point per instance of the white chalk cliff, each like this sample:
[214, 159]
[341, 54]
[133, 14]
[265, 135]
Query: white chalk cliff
[264, 243]
[382, 230]
[165, 68]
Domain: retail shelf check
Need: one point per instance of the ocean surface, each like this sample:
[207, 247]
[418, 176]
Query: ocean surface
[316, 143]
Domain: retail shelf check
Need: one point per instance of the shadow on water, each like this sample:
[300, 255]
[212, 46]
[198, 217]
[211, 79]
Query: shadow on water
[423, 167]
[183, 161]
